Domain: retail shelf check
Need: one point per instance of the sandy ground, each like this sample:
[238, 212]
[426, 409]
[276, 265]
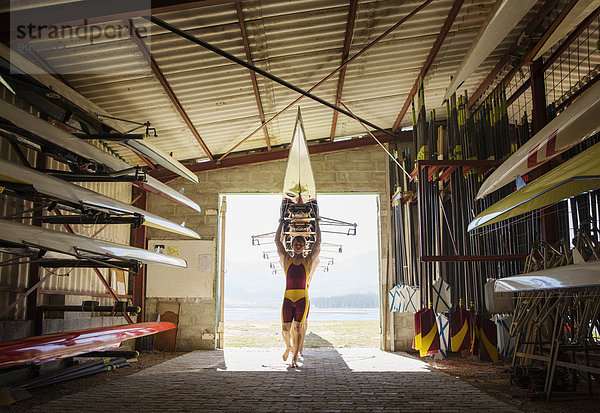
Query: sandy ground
[320, 334]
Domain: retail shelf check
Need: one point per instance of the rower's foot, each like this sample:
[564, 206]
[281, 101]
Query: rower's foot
[286, 354]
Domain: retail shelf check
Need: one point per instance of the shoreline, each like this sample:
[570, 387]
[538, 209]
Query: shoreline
[315, 314]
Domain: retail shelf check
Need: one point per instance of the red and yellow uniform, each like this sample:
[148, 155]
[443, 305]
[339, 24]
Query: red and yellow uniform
[295, 299]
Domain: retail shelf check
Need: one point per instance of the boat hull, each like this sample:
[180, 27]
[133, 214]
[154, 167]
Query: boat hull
[74, 245]
[51, 136]
[573, 125]
[569, 276]
[40, 349]
[579, 174]
[48, 187]
[299, 209]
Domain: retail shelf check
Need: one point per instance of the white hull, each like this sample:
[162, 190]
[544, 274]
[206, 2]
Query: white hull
[573, 125]
[57, 189]
[299, 181]
[163, 159]
[505, 16]
[68, 244]
[58, 137]
[579, 12]
[84, 103]
[569, 276]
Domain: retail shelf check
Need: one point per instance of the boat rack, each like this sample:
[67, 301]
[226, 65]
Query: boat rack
[94, 306]
[579, 359]
[135, 174]
[130, 266]
[445, 167]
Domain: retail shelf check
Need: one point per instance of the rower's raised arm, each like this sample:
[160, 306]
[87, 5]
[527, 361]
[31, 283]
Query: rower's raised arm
[280, 248]
[316, 247]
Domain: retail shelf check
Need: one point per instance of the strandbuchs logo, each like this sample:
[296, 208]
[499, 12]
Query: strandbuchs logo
[87, 36]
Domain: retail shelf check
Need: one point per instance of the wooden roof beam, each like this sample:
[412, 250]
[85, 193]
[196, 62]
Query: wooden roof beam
[166, 87]
[345, 53]
[240, 16]
[164, 175]
[363, 50]
[430, 58]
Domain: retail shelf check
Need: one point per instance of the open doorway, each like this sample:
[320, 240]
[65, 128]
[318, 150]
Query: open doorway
[344, 293]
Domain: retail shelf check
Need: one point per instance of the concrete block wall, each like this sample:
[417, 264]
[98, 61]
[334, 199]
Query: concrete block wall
[363, 170]
[196, 330]
[404, 327]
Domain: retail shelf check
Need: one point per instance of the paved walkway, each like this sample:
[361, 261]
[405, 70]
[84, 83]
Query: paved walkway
[245, 380]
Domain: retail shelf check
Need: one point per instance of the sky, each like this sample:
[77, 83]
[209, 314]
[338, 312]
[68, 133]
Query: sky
[249, 280]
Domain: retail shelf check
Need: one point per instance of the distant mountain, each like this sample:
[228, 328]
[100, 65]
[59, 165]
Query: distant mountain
[346, 301]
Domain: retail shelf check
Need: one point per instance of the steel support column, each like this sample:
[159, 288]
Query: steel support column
[540, 119]
[538, 93]
[139, 280]
[35, 270]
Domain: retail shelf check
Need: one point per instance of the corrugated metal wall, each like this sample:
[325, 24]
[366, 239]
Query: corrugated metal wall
[14, 278]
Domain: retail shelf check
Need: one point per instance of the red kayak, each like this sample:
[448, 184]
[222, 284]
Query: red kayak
[50, 347]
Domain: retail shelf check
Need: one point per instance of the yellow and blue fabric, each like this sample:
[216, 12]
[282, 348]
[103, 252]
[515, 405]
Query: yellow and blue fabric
[443, 325]
[441, 296]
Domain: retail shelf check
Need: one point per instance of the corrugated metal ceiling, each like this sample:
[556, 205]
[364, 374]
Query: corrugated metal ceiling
[300, 42]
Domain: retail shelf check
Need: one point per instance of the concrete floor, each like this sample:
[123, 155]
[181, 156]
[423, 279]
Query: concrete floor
[252, 379]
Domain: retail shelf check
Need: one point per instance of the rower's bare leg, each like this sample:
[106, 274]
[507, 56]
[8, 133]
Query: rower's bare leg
[296, 332]
[285, 332]
[304, 327]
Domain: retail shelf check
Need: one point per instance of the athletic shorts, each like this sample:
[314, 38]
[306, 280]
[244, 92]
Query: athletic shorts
[293, 310]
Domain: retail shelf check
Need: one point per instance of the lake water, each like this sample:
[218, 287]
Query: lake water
[316, 314]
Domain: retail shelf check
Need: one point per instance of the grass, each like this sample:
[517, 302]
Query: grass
[320, 334]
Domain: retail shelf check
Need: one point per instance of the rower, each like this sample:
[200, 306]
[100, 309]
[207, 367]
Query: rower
[297, 269]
